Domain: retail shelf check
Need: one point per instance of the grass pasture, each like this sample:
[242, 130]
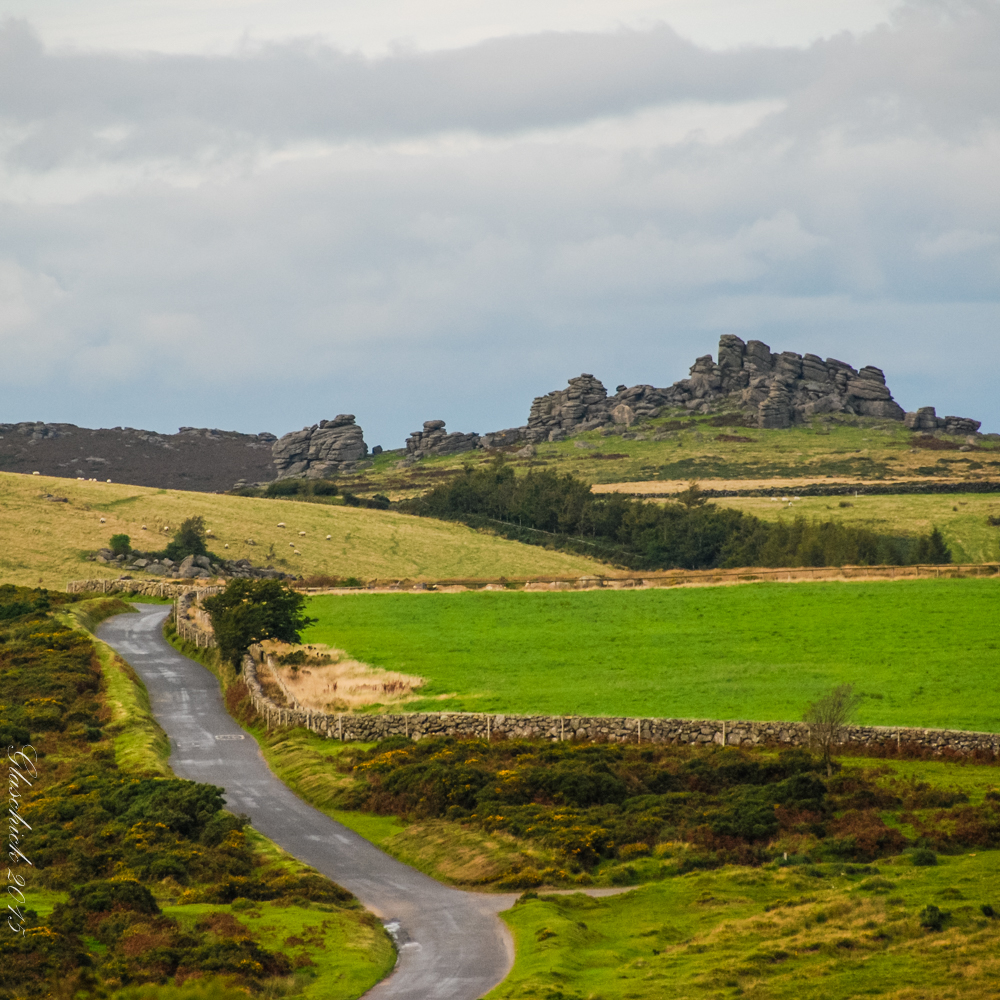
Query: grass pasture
[42, 543]
[923, 652]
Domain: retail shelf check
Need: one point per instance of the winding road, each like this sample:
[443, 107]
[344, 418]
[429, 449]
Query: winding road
[451, 944]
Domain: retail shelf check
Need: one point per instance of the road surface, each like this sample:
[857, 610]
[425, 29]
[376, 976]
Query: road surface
[451, 944]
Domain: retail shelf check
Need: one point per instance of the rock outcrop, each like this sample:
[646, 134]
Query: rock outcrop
[326, 448]
[926, 419]
[771, 390]
[435, 440]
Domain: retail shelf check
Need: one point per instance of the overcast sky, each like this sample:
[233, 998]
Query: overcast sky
[255, 215]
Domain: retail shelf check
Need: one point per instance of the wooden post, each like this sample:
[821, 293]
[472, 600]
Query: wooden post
[723, 733]
[340, 726]
[487, 729]
[638, 731]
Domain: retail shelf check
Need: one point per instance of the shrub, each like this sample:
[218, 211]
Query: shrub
[189, 540]
[285, 488]
[923, 856]
[987, 911]
[932, 918]
[324, 488]
[120, 545]
[98, 897]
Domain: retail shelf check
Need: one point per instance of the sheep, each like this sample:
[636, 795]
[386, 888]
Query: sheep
[328, 537]
[301, 532]
[296, 553]
[226, 546]
[102, 520]
[38, 474]
[281, 524]
[291, 545]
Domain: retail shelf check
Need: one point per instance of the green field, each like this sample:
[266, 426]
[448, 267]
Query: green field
[924, 653]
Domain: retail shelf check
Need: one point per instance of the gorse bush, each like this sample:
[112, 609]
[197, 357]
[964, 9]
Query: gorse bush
[589, 802]
[105, 838]
[550, 509]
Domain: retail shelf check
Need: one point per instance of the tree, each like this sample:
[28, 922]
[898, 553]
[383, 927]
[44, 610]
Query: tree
[249, 611]
[189, 540]
[932, 549]
[120, 545]
[693, 496]
[827, 716]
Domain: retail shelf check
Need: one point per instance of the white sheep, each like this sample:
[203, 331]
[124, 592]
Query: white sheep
[281, 524]
[301, 532]
[296, 553]
[144, 527]
[328, 537]
[291, 545]
[102, 520]
[226, 546]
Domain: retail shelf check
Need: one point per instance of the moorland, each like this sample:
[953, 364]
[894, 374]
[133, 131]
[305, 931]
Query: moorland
[751, 872]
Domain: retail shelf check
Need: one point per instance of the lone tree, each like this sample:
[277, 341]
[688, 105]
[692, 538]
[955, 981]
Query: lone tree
[189, 540]
[249, 611]
[827, 716]
[120, 545]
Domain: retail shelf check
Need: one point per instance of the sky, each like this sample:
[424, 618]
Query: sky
[255, 215]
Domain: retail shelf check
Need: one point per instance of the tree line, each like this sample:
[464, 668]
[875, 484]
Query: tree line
[546, 508]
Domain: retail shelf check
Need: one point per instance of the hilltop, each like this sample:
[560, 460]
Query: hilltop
[747, 387]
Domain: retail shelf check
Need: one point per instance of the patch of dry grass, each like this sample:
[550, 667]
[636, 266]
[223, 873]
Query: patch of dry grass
[42, 542]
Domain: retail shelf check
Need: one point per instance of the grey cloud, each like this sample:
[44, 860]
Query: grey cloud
[457, 281]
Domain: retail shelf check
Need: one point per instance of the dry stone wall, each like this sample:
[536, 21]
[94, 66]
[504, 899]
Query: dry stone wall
[606, 729]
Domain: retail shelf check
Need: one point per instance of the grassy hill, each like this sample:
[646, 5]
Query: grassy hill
[676, 447]
[42, 542]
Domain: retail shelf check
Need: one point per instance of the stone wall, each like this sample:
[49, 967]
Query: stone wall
[607, 729]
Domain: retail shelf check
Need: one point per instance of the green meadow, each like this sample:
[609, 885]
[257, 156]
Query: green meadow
[922, 652]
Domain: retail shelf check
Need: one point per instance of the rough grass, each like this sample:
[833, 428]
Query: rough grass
[338, 954]
[767, 933]
[923, 652]
[42, 543]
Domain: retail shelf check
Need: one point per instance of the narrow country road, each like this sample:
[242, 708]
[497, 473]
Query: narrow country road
[452, 945]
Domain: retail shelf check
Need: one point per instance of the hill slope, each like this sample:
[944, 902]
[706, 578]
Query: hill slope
[42, 541]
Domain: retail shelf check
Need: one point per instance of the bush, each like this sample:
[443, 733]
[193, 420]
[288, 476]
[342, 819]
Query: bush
[285, 488]
[923, 856]
[932, 918]
[120, 545]
[99, 897]
[324, 488]
[189, 540]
